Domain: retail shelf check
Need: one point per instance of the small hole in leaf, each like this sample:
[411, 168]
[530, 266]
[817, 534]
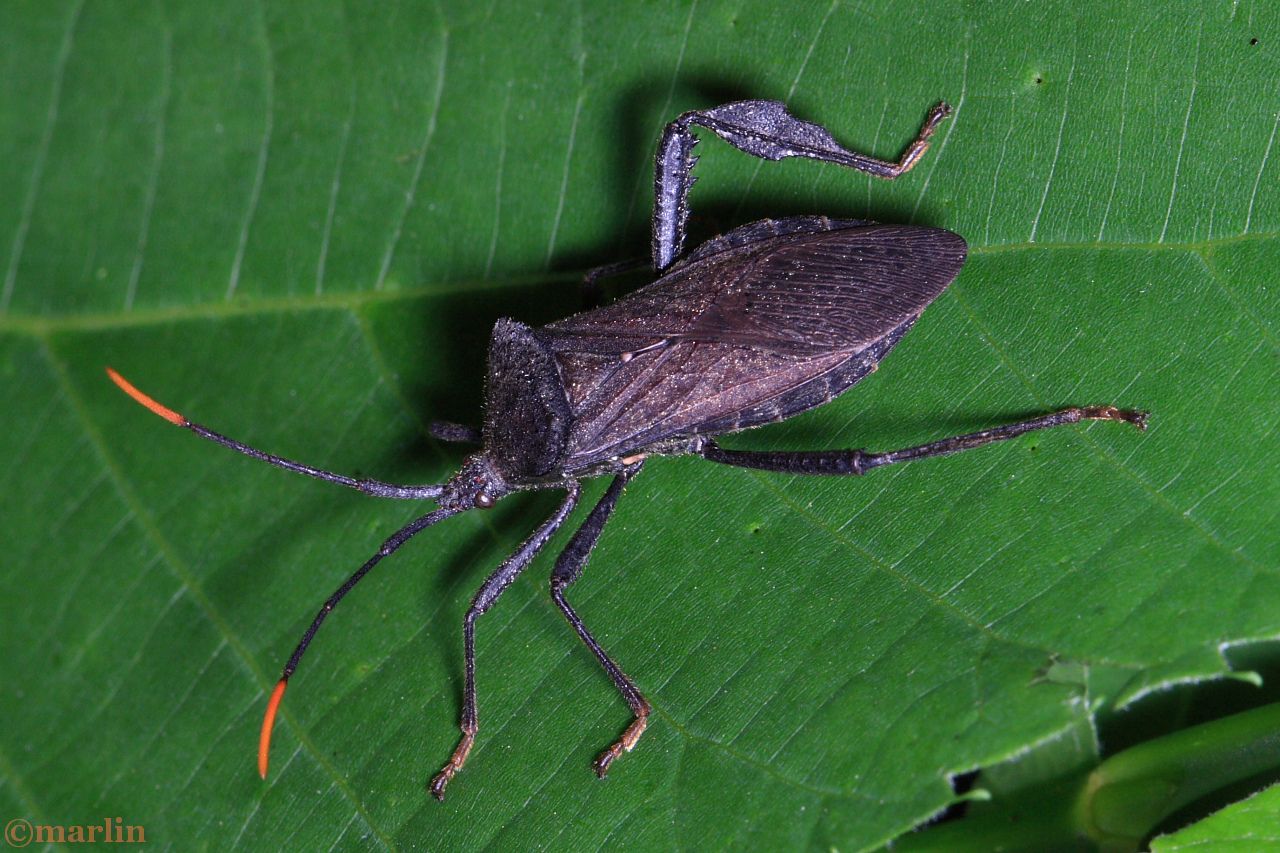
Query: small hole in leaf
[961, 784]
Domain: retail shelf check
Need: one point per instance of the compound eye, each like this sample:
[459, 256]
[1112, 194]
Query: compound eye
[483, 499]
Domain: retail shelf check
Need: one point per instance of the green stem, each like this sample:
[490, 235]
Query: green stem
[1129, 794]
[1119, 803]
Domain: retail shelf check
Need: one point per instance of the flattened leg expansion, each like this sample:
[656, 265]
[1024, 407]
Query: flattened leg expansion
[762, 129]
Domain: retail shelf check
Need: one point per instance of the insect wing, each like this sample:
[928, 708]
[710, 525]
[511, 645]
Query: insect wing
[834, 290]
[843, 290]
[743, 327]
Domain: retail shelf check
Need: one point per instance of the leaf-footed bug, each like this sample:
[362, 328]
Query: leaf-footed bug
[752, 327]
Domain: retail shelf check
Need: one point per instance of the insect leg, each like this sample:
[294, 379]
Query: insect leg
[859, 461]
[568, 569]
[493, 587]
[454, 433]
[376, 488]
[762, 129]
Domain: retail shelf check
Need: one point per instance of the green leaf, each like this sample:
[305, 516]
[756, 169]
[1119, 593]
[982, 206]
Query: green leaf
[297, 225]
[1055, 799]
[1247, 825]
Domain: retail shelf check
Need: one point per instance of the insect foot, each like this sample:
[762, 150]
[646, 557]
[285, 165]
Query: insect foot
[441, 780]
[626, 743]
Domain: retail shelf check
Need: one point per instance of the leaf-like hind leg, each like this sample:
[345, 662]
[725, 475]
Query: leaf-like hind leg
[762, 129]
[493, 587]
[859, 461]
[568, 569]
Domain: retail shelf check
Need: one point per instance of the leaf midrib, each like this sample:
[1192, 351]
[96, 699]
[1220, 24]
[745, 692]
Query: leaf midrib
[41, 325]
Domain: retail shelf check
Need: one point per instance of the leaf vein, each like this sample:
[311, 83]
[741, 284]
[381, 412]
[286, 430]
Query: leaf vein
[1257, 181]
[1186, 125]
[334, 186]
[1057, 148]
[153, 178]
[427, 136]
[42, 156]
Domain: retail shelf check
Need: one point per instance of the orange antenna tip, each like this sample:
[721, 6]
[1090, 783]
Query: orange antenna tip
[163, 411]
[268, 722]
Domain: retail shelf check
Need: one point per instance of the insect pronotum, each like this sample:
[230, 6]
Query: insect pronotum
[752, 327]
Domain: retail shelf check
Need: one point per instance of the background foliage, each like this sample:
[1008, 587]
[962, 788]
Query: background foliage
[297, 222]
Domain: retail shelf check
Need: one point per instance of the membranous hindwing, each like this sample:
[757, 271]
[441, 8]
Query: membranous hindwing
[527, 415]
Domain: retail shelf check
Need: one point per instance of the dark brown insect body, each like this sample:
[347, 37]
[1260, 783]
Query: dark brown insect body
[756, 326]
[763, 323]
